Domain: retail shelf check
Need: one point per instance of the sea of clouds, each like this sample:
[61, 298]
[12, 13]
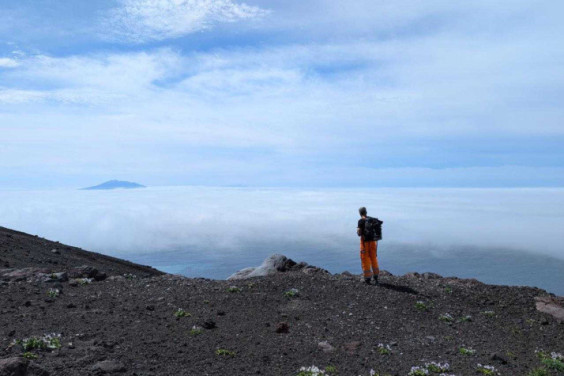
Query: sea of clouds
[213, 231]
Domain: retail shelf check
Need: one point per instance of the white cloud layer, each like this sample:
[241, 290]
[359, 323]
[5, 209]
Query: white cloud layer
[229, 220]
[143, 20]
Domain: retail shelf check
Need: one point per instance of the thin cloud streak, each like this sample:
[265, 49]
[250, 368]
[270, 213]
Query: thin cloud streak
[140, 21]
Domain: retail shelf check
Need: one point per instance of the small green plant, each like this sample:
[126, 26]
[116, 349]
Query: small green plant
[448, 290]
[421, 306]
[224, 352]
[553, 361]
[466, 318]
[196, 331]
[539, 372]
[466, 351]
[437, 367]
[129, 276]
[488, 313]
[233, 289]
[331, 369]
[449, 338]
[511, 354]
[418, 371]
[53, 293]
[384, 349]
[310, 371]
[446, 317]
[486, 370]
[84, 281]
[33, 343]
[250, 285]
[291, 293]
[29, 355]
[48, 341]
[181, 313]
[206, 301]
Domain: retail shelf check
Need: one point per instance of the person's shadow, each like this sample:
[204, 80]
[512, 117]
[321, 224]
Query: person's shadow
[406, 289]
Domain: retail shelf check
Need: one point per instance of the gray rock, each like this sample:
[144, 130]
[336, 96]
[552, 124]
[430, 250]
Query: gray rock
[554, 306]
[84, 271]
[431, 276]
[325, 347]
[109, 366]
[272, 265]
[55, 252]
[13, 366]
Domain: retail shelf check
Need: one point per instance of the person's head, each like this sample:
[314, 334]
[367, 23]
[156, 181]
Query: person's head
[362, 211]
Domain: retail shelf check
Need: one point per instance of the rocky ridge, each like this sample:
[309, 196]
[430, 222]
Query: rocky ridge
[100, 317]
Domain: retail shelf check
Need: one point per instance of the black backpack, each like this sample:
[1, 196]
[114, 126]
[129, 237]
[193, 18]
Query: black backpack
[373, 228]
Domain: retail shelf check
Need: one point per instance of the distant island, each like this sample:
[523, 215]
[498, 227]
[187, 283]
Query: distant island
[115, 184]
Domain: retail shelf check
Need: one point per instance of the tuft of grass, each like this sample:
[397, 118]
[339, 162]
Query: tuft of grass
[331, 369]
[437, 367]
[291, 293]
[418, 371]
[448, 290]
[233, 289]
[466, 318]
[53, 293]
[310, 371]
[466, 351]
[29, 355]
[48, 341]
[488, 313]
[84, 281]
[486, 370]
[384, 349]
[206, 301]
[196, 331]
[553, 363]
[181, 313]
[224, 352]
[539, 372]
[446, 317]
[421, 306]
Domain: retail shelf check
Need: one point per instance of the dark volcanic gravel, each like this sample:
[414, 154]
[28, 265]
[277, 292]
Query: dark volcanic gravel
[133, 326]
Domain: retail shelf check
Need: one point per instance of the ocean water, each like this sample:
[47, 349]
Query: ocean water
[500, 236]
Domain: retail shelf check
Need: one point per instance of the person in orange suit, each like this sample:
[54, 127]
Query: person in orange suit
[370, 232]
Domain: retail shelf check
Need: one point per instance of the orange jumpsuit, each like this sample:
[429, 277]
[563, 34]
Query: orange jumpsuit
[369, 257]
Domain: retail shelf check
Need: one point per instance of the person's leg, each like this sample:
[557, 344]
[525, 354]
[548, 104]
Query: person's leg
[374, 259]
[365, 262]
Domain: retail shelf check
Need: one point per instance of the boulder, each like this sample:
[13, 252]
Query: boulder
[554, 306]
[108, 366]
[15, 366]
[271, 265]
[84, 271]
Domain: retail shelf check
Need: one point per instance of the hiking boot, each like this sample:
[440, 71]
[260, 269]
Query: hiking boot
[376, 279]
[367, 281]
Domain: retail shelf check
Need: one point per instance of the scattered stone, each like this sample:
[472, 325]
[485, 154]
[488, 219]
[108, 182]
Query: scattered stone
[55, 252]
[150, 307]
[498, 358]
[431, 276]
[220, 313]
[109, 366]
[385, 273]
[209, 324]
[84, 271]
[15, 366]
[325, 347]
[554, 306]
[351, 347]
[282, 327]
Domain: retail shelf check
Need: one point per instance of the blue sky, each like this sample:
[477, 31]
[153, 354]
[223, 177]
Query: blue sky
[281, 93]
